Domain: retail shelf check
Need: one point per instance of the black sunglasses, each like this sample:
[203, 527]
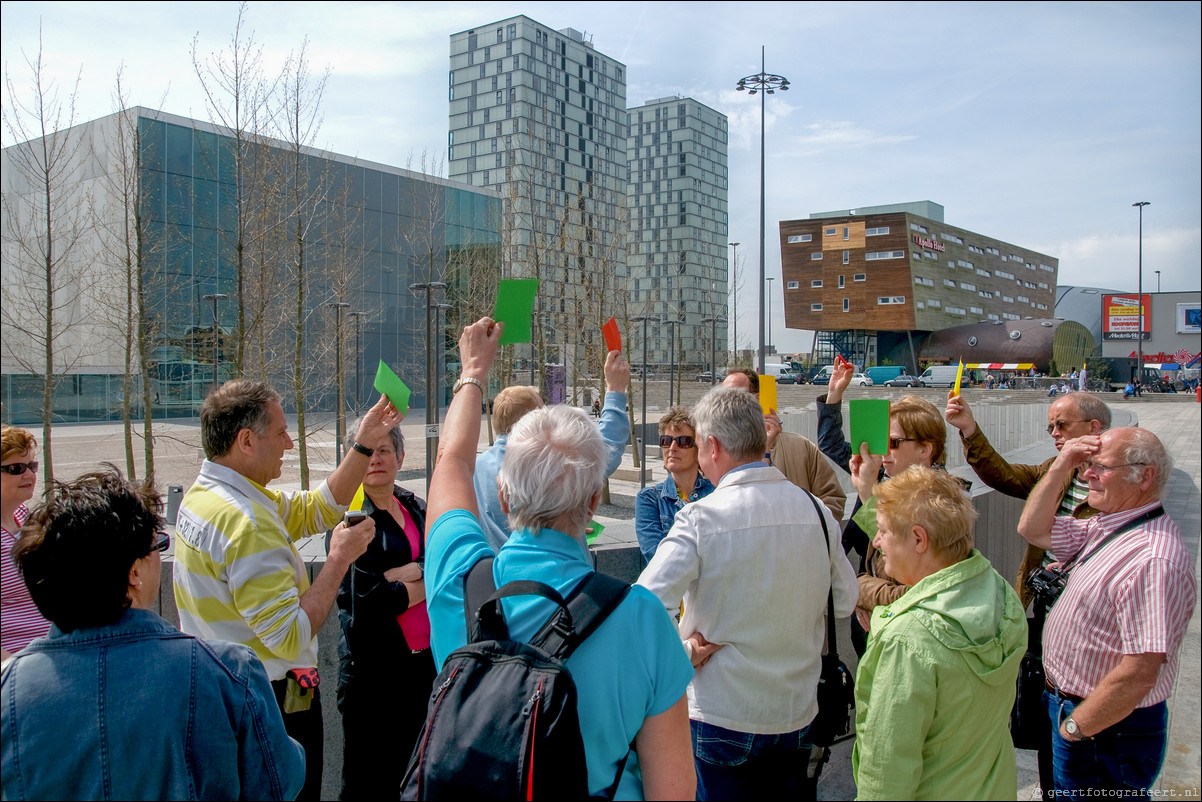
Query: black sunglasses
[682, 440]
[895, 442]
[18, 468]
[161, 541]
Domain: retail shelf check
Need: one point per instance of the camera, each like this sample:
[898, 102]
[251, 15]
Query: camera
[1047, 584]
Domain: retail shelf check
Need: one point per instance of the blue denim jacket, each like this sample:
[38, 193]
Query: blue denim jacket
[139, 710]
[655, 509]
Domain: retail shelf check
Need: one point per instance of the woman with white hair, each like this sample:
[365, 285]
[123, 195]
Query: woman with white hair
[631, 672]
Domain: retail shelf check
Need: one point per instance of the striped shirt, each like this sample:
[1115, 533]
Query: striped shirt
[238, 576]
[1134, 596]
[22, 622]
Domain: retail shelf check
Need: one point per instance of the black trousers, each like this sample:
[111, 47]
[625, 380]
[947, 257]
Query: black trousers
[305, 727]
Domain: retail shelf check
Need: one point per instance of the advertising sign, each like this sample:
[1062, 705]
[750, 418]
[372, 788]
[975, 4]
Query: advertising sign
[1120, 317]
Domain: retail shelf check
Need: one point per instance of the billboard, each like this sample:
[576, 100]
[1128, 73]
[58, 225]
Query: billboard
[1120, 317]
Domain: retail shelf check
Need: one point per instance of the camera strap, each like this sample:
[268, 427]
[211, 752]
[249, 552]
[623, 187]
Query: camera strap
[1134, 523]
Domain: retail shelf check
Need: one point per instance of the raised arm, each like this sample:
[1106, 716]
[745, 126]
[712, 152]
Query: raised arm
[451, 485]
[1039, 513]
[346, 478]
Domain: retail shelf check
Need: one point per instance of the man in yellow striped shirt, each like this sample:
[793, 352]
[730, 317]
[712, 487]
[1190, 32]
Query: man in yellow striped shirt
[238, 575]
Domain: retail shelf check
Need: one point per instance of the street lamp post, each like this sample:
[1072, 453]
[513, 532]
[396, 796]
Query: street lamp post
[339, 419]
[766, 84]
[215, 297]
[644, 319]
[1158, 282]
[431, 376]
[732, 276]
[672, 355]
[714, 321]
[1139, 335]
[770, 280]
[358, 316]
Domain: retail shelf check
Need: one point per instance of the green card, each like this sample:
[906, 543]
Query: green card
[391, 385]
[515, 302]
[592, 531]
[869, 424]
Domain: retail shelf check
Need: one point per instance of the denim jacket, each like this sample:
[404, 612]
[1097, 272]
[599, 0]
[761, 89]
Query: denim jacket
[139, 710]
[655, 509]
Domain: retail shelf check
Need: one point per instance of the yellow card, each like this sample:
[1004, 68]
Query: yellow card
[768, 394]
[959, 375]
[357, 501]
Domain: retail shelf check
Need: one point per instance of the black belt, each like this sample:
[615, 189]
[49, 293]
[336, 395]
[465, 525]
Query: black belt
[1052, 689]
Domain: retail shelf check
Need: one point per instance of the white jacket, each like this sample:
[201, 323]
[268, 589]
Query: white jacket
[751, 567]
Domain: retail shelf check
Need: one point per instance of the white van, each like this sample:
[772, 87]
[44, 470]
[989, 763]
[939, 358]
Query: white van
[939, 376]
[780, 372]
[824, 376]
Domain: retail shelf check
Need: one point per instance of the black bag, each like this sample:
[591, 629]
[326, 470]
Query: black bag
[836, 686]
[1029, 725]
[502, 721]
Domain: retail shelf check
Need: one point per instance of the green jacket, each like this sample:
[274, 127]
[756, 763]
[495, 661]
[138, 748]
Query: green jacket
[935, 687]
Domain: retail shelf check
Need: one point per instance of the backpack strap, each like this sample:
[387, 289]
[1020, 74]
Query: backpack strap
[588, 605]
[485, 619]
[832, 647]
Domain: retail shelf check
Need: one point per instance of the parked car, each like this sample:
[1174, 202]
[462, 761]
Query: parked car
[904, 380]
[787, 377]
[861, 380]
[704, 376]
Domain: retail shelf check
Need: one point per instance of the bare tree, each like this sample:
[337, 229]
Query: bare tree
[46, 208]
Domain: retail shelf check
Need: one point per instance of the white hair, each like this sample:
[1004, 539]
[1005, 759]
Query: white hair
[1140, 447]
[733, 417]
[554, 464]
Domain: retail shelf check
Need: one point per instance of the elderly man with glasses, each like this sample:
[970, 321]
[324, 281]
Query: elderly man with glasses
[1112, 640]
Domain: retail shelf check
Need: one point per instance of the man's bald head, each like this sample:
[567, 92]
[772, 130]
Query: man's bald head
[743, 379]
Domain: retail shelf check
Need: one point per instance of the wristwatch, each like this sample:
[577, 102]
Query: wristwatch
[1073, 730]
[362, 449]
[465, 380]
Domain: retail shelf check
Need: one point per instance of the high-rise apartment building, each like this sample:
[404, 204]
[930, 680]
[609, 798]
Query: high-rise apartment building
[541, 114]
[677, 154]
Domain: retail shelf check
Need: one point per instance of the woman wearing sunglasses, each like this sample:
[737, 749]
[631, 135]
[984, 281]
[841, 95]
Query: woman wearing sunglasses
[20, 621]
[656, 507]
[116, 703]
[917, 436]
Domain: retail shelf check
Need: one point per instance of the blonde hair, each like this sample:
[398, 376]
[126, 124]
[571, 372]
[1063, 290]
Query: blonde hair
[511, 404]
[14, 442]
[934, 500]
[676, 417]
[921, 420]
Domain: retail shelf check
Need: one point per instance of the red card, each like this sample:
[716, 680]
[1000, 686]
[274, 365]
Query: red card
[613, 339]
[839, 360]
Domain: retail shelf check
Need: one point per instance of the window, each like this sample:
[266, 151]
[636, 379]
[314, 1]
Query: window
[846, 304]
[860, 277]
[885, 255]
[876, 232]
[794, 238]
[985, 294]
[815, 307]
[842, 281]
[918, 228]
[1008, 299]
[965, 265]
[919, 305]
[935, 303]
[1022, 299]
[846, 257]
[955, 310]
[1004, 274]
[925, 282]
[951, 238]
[975, 249]
[984, 273]
[829, 232]
[816, 284]
[976, 310]
[947, 282]
[792, 285]
[816, 256]
[847, 233]
[888, 300]
[966, 286]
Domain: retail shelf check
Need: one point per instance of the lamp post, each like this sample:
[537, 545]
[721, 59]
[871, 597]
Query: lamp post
[714, 321]
[766, 84]
[644, 319]
[732, 276]
[672, 356]
[339, 419]
[358, 316]
[770, 280]
[431, 376]
[1139, 335]
[215, 297]
[1158, 281]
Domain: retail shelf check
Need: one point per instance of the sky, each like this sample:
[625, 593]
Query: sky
[1039, 124]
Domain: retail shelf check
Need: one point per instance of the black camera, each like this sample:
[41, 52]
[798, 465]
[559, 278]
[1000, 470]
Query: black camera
[1047, 584]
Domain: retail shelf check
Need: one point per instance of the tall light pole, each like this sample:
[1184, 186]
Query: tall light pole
[358, 316]
[431, 376]
[766, 84]
[1158, 281]
[713, 321]
[770, 280]
[644, 319]
[215, 297]
[732, 276]
[340, 418]
[672, 331]
[1139, 335]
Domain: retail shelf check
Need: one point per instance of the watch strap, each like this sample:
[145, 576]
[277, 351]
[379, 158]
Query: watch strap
[362, 449]
[465, 380]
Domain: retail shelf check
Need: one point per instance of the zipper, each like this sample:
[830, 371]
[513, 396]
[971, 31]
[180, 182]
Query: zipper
[421, 754]
[531, 710]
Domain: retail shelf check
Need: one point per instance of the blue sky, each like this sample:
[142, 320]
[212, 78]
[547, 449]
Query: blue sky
[1036, 123]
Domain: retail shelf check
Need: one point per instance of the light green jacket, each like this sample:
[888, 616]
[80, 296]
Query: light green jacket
[935, 687]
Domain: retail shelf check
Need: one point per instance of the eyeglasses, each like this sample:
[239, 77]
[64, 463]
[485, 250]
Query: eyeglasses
[18, 468]
[1060, 424]
[1100, 469]
[682, 440]
[895, 442]
[161, 541]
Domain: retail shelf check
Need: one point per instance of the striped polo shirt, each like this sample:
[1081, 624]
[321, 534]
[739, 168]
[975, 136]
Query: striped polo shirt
[1134, 596]
[238, 575]
[20, 621]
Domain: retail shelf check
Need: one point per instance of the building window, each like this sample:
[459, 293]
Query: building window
[841, 282]
[935, 303]
[925, 282]
[918, 228]
[794, 238]
[884, 255]
[846, 257]
[816, 256]
[919, 305]
[846, 304]
[947, 282]
[816, 284]
[846, 232]
[876, 232]
[815, 307]
[792, 285]
[967, 286]
[889, 300]
[976, 310]
[860, 277]
[830, 232]
[955, 310]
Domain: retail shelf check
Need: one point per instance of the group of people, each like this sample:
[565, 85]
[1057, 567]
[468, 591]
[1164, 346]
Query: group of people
[702, 682]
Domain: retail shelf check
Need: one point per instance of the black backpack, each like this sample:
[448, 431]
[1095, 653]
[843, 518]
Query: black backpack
[502, 721]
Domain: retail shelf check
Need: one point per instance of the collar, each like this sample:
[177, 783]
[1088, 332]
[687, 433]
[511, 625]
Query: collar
[231, 478]
[547, 543]
[1108, 522]
[132, 623]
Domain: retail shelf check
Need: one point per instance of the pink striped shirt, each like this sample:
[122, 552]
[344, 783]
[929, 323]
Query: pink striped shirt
[21, 620]
[1134, 596]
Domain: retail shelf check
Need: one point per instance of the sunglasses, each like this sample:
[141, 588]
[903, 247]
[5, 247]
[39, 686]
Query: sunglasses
[18, 468]
[682, 440]
[895, 442]
[161, 541]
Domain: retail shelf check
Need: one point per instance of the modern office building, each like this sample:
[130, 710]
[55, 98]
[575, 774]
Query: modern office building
[370, 231]
[869, 280]
[677, 153]
[540, 116]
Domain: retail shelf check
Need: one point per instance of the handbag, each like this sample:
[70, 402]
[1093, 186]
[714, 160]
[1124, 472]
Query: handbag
[836, 686]
[1029, 727]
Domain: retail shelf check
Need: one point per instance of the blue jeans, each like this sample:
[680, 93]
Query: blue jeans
[741, 765]
[1124, 758]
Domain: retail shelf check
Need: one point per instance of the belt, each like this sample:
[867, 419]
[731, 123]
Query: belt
[1052, 689]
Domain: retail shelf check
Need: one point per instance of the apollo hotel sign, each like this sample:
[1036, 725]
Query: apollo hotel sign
[922, 242]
